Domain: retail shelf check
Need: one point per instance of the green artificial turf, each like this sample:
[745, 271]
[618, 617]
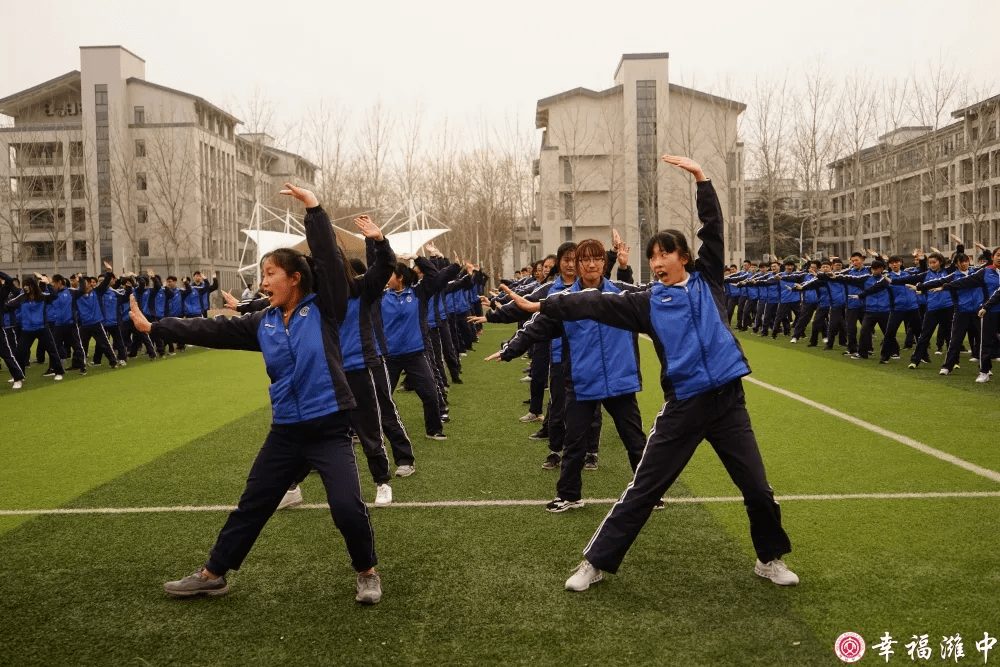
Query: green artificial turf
[484, 585]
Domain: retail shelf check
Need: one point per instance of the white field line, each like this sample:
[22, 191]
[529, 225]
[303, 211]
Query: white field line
[902, 439]
[510, 503]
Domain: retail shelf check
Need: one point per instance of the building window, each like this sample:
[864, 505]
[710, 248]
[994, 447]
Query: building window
[39, 251]
[143, 247]
[567, 170]
[568, 205]
[140, 115]
[140, 181]
[143, 215]
[79, 220]
[79, 250]
[567, 234]
[140, 148]
[101, 94]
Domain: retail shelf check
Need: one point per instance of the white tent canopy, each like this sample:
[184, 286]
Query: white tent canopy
[410, 242]
[267, 241]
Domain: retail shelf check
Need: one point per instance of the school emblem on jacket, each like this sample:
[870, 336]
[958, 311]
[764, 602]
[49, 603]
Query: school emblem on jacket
[304, 311]
[409, 299]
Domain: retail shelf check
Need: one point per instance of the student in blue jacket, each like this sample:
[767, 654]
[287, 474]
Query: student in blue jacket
[872, 290]
[988, 280]
[33, 302]
[967, 303]
[404, 321]
[601, 367]
[6, 350]
[310, 401]
[702, 363]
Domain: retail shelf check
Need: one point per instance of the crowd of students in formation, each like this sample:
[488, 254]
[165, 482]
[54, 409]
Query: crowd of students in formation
[64, 315]
[951, 303]
[337, 335]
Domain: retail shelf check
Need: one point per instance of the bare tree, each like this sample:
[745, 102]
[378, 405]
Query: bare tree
[981, 138]
[769, 129]
[812, 143]
[172, 182]
[326, 135]
[27, 163]
[129, 192]
[576, 133]
[856, 129]
[373, 142]
[933, 93]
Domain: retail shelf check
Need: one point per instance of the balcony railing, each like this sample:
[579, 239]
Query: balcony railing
[40, 161]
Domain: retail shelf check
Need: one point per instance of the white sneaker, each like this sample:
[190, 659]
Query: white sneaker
[983, 377]
[57, 378]
[16, 385]
[526, 378]
[974, 359]
[383, 495]
[405, 471]
[584, 575]
[944, 371]
[293, 498]
[826, 340]
[531, 417]
[777, 572]
[938, 352]
[10, 380]
[794, 340]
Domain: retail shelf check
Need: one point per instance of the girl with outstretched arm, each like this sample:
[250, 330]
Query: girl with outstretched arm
[310, 401]
[702, 366]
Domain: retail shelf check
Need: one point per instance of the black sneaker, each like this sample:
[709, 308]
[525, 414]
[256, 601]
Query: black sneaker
[540, 434]
[456, 380]
[48, 374]
[437, 436]
[560, 505]
[196, 583]
[659, 504]
[590, 461]
[552, 461]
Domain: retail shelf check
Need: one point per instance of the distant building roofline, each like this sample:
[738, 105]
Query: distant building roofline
[114, 46]
[961, 112]
[200, 100]
[715, 99]
[61, 79]
[640, 56]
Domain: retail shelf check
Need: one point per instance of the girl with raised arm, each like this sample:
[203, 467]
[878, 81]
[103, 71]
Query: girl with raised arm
[702, 364]
[310, 401]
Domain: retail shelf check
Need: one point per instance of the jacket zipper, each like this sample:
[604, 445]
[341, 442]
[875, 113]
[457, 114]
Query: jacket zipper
[291, 353]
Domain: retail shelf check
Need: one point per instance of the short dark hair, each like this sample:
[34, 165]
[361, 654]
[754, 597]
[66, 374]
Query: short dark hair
[878, 264]
[668, 241]
[895, 258]
[404, 273]
[174, 278]
[566, 247]
[961, 257]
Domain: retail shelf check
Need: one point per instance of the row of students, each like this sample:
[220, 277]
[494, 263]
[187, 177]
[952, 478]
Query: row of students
[927, 298]
[592, 322]
[63, 316]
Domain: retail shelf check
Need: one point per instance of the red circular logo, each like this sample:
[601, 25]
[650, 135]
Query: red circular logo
[849, 647]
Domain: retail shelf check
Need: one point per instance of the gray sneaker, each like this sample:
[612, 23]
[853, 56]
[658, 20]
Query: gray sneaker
[590, 462]
[552, 461]
[196, 583]
[369, 588]
[405, 470]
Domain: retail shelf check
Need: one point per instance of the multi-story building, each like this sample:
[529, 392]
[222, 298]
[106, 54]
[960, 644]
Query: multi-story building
[103, 166]
[599, 169]
[919, 187]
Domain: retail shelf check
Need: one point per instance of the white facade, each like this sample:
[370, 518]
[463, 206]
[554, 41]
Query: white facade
[105, 166]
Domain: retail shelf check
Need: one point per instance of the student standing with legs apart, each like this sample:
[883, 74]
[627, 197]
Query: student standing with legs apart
[310, 401]
[702, 365]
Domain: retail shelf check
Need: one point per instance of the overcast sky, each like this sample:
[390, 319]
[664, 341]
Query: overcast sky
[465, 62]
